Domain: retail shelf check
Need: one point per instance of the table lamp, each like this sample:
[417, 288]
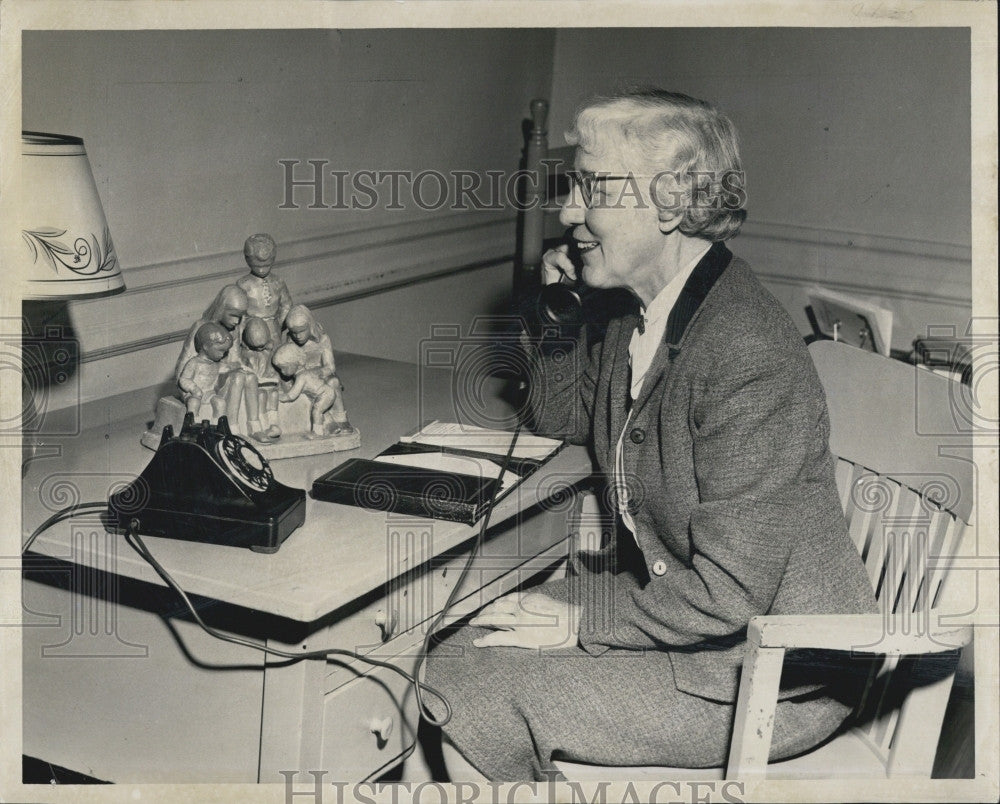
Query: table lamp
[66, 252]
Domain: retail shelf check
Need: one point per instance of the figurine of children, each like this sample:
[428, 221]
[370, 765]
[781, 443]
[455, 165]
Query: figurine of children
[306, 332]
[256, 357]
[267, 295]
[199, 379]
[324, 391]
[228, 311]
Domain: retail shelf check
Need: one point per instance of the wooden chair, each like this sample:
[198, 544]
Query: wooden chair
[545, 184]
[907, 506]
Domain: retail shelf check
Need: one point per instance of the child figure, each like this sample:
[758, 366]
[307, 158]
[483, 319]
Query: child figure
[267, 295]
[199, 379]
[289, 359]
[240, 386]
[257, 360]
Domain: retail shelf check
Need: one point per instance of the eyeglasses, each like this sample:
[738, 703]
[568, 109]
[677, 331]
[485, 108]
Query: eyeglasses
[587, 182]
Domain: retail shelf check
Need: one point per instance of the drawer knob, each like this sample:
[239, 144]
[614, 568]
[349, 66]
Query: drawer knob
[381, 727]
[387, 622]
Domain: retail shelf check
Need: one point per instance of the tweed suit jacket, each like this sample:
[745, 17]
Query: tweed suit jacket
[730, 479]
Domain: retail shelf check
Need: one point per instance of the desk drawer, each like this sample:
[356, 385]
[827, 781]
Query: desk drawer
[368, 723]
[519, 550]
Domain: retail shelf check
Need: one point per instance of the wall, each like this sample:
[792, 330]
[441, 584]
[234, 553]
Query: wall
[856, 145]
[185, 130]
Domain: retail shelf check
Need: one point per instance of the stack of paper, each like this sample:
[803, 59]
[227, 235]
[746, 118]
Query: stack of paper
[852, 319]
[452, 435]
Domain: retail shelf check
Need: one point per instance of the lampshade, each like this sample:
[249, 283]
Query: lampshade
[68, 252]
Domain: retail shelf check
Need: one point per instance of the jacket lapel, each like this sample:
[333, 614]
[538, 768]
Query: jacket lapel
[621, 375]
[704, 276]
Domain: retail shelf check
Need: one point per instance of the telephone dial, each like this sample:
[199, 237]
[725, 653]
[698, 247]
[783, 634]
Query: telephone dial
[208, 485]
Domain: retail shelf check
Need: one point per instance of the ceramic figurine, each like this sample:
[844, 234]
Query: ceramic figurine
[199, 379]
[258, 347]
[228, 311]
[321, 388]
[250, 320]
[267, 296]
[304, 331]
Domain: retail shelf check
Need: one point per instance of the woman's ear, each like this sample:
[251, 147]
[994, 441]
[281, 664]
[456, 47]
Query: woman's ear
[669, 219]
[671, 200]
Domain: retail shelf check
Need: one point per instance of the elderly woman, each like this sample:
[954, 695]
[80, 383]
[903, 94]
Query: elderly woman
[708, 420]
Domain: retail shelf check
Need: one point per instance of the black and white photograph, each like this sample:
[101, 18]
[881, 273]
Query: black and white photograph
[499, 402]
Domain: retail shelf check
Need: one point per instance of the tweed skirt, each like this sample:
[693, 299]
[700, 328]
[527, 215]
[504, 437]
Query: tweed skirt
[514, 710]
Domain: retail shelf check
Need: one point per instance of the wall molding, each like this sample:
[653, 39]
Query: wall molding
[952, 252]
[857, 288]
[884, 265]
[922, 282]
[163, 299]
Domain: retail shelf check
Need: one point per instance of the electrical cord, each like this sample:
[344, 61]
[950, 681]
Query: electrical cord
[59, 516]
[480, 538]
[136, 542]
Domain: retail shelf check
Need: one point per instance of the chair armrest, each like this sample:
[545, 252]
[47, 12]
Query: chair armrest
[859, 633]
[769, 636]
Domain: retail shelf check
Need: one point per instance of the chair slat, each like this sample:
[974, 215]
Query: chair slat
[872, 693]
[938, 538]
[844, 475]
[881, 496]
[911, 752]
[872, 499]
[903, 530]
[955, 531]
[882, 725]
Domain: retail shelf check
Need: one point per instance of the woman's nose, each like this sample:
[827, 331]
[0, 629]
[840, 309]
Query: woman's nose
[573, 210]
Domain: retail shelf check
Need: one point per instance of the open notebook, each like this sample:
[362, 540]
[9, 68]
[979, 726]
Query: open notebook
[444, 471]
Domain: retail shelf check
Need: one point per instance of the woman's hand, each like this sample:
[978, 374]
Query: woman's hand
[528, 620]
[556, 264]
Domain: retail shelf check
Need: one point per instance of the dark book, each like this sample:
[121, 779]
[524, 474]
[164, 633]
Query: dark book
[406, 490]
[443, 471]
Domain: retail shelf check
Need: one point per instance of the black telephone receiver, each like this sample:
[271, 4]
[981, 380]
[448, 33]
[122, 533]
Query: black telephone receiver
[209, 485]
[561, 304]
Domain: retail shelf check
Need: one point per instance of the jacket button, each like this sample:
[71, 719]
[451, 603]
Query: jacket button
[638, 435]
[659, 568]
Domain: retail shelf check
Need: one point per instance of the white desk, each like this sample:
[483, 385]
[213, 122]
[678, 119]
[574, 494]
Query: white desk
[120, 684]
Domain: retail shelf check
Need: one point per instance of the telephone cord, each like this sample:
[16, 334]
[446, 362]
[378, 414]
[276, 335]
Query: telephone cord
[136, 542]
[59, 516]
[480, 538]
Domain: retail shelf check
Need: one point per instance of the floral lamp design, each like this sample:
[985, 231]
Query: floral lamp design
[66, 253]
[68, 249]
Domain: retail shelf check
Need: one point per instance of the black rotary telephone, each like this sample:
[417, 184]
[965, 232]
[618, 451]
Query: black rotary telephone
[208, 485]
